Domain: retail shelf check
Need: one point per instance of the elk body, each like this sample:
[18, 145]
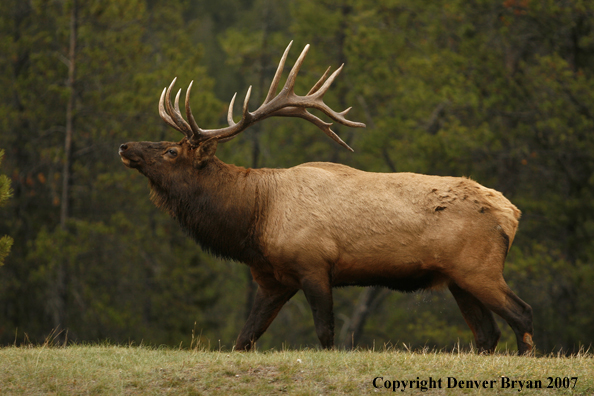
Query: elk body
[321, 225]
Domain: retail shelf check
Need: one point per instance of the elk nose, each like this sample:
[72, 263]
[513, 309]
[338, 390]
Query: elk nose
[123, 147]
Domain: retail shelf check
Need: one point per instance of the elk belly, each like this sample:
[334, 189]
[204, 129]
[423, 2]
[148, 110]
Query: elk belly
[404, 276]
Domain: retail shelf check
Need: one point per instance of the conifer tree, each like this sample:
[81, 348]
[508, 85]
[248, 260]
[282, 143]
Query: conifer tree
[5, 193]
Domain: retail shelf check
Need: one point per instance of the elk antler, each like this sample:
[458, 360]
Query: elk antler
[285, 104]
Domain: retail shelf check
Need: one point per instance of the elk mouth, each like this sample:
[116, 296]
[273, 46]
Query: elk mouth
[130, 163]
[127, 162]
[124, 155]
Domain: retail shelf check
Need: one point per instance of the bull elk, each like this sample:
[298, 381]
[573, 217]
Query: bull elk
[321, 225]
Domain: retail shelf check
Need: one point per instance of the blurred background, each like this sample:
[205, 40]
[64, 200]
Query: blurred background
[501, 91]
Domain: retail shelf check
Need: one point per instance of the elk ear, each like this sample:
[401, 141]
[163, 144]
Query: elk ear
[205, 151]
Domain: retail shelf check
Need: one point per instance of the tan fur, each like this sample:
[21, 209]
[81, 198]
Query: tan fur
[397, 224]
[321, 225]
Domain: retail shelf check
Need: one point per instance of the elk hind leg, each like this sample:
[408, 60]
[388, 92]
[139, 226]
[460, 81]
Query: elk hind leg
[267, 304]
[319, 296]
[496, 295]
[479, 319]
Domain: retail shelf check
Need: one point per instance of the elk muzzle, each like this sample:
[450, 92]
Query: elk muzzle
[129, 157]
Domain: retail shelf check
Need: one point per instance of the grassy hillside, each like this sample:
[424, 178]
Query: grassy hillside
[141, 370]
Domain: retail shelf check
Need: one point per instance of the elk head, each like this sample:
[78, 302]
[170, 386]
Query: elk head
[159, 161]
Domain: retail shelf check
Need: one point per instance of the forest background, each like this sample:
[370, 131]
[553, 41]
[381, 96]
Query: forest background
[498, 91]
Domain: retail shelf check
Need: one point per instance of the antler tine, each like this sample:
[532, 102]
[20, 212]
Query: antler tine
[163, 112]
[195, 129]
[345, 111]
[176, 103]
[230, 111]
[277, 74]
[246, 113]
[174, 113]
[290, 83]
[179, 118]
[168, 107]
[321, 91]
[324, 126]
[324, 88]
[320, 82]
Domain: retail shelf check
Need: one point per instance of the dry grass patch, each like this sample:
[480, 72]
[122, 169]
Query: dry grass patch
[145, 371]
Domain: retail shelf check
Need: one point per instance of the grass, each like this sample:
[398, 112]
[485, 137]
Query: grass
[133, 370]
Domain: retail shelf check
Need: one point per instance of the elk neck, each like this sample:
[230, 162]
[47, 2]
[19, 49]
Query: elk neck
[221, 206]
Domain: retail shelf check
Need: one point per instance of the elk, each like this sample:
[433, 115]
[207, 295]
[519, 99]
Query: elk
[321, 225]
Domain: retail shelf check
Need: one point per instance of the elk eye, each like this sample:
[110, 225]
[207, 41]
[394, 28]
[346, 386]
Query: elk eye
[172, 152]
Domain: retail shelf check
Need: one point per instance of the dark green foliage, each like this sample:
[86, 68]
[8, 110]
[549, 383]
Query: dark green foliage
[499, 91]
[5, 193]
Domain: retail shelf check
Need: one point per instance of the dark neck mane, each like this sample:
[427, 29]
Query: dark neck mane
[220, 207]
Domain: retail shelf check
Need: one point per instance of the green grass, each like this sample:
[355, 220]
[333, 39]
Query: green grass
[107, 369]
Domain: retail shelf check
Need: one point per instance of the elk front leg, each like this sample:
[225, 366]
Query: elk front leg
[319, 296]
[267, 304]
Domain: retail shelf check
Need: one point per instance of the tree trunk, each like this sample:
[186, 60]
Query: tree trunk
[57, 300]
[369, 299]
[255, 135]
[65, 207]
